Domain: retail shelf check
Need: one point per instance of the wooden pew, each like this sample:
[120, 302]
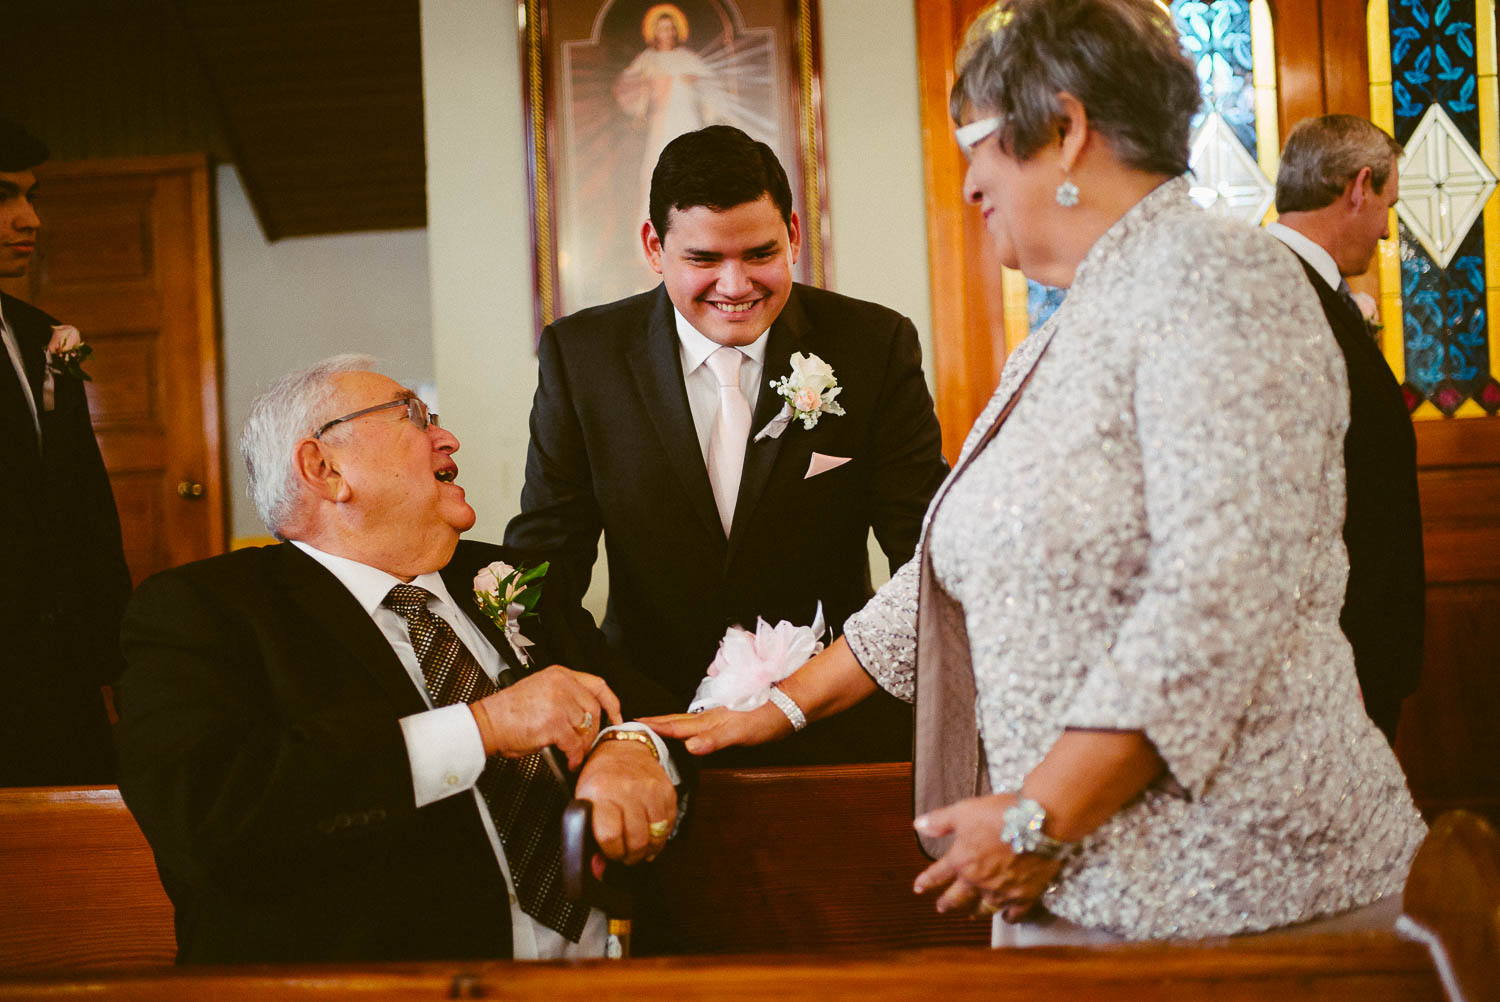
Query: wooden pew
[806, 871]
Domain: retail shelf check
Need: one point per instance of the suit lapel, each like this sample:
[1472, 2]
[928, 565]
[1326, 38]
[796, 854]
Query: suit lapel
[346, 624]
[788, 333]
[658, 378]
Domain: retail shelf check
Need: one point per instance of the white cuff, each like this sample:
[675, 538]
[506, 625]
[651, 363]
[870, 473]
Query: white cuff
[445, 751]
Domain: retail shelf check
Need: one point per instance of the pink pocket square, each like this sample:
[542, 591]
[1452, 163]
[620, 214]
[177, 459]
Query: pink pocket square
[822, 464]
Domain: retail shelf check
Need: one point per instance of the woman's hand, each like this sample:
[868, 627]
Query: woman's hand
[720, 728]
[980, 874]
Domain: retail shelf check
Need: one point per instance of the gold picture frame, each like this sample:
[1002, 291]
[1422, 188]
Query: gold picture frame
[603, 95]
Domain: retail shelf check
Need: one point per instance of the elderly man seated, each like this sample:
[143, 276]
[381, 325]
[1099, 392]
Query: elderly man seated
[334, 746]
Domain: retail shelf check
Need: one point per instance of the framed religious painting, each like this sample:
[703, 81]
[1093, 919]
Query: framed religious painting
[609, 83]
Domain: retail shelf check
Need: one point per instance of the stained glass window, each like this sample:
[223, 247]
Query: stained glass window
[1235, 144]
[1432, 85]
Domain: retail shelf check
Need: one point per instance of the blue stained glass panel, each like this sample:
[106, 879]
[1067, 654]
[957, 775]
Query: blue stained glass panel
[1445, 339]
[1216, 35]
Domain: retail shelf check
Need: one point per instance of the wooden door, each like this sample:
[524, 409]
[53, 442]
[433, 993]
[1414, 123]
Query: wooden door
[126, 256]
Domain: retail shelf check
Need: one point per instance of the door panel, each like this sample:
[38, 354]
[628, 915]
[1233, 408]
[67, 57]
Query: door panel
[125, 256]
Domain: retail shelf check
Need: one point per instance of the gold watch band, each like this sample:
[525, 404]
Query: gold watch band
[640, 736]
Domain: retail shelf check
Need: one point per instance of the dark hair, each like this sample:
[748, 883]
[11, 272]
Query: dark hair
[1122, 59]
[19, 149]
[1324, 154]
[718, 167]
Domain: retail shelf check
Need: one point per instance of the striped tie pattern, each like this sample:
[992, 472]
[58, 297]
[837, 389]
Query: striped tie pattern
[523, 796]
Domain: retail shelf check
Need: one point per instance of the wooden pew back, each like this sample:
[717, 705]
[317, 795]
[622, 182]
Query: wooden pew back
[78, 884]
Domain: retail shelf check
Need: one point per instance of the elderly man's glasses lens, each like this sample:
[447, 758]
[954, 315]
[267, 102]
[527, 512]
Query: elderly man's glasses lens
[971, 135]
[416, 413]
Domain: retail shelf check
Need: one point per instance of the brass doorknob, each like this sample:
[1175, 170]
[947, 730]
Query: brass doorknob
[189, 489]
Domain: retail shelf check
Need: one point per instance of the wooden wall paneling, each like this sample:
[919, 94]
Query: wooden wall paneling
[1299, 61]
[967, 302]
[1346, 58]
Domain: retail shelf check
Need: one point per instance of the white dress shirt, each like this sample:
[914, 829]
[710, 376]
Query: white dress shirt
[703, 386]
[13, 349]
[1319, 259]
[444, 746]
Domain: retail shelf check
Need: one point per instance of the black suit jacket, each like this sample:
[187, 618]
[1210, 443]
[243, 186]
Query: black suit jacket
[613, 448]
[1384, 610]
[261, 754]
[64, 581]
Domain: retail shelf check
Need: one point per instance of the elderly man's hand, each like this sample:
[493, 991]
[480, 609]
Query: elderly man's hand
[635, 805]
[556, 706]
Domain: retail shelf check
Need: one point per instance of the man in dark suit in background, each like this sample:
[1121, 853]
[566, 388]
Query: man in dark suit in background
[1334, 193]
[334, 753]
[63, 579]
[646, 426]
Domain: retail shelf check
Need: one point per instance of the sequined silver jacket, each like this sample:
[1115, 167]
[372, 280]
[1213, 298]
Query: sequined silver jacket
[1152, 542]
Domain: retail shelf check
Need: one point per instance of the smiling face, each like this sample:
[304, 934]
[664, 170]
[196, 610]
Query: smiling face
[729, 273]
[398, 494]
[18, 222]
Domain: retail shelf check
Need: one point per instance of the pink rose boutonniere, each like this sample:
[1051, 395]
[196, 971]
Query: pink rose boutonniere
[506, 595]
[1371, 313]
[810, 390]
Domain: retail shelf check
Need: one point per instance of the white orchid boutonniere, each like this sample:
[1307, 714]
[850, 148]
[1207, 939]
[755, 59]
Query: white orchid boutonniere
[810, 390]
[67, 352]
[506, 595]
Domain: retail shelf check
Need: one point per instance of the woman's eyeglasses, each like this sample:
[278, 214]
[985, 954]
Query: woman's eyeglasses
[971, 135]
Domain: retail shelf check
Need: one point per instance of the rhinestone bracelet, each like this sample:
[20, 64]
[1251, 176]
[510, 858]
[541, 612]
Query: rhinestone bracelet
[787, 705]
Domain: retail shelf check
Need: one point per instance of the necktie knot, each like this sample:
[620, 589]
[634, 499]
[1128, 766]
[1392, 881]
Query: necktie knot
[407, 599]
[725, 364]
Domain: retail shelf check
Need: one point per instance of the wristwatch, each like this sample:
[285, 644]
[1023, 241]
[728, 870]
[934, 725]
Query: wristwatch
[1022, 831]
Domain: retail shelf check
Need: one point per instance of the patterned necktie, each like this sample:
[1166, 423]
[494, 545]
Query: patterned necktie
[726, 443]
[525, 800]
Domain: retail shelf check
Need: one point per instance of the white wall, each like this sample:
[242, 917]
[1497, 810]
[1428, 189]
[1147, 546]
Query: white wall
[294, 302]
[478, 223]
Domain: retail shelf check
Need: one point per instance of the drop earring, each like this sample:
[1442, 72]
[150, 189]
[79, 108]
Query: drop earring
[1067, 193]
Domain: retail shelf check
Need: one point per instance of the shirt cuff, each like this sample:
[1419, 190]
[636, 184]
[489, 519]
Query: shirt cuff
[662, 754]
[445, 752]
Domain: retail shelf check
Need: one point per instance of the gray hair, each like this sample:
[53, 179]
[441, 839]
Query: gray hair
[1324, 154]
[1121, 59]
[281, 417]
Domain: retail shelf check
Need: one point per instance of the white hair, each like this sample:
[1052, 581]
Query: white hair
[288, 412]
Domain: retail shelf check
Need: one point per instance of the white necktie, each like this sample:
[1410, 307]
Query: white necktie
[726, 444]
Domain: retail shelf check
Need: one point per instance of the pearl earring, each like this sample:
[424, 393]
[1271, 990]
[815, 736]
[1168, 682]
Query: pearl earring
[1067, 193]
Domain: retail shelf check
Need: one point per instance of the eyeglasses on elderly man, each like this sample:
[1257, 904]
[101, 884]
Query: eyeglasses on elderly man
[416, 412]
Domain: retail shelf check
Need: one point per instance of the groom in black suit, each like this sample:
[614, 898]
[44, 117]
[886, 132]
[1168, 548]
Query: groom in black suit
[647, 424]
[333, 752]
[1334, 192]
[64, 581]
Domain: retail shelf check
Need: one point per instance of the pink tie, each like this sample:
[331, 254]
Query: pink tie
[726, 444]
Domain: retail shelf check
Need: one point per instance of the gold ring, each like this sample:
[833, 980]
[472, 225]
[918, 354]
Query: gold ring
[659, 829]
[587, 722]
[985, 907]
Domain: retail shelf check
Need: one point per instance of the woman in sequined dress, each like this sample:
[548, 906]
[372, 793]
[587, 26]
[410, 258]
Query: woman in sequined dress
[1132, 588]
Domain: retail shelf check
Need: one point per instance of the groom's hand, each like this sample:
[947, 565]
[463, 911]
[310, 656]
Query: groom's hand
[635, 805]
[556, 706]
